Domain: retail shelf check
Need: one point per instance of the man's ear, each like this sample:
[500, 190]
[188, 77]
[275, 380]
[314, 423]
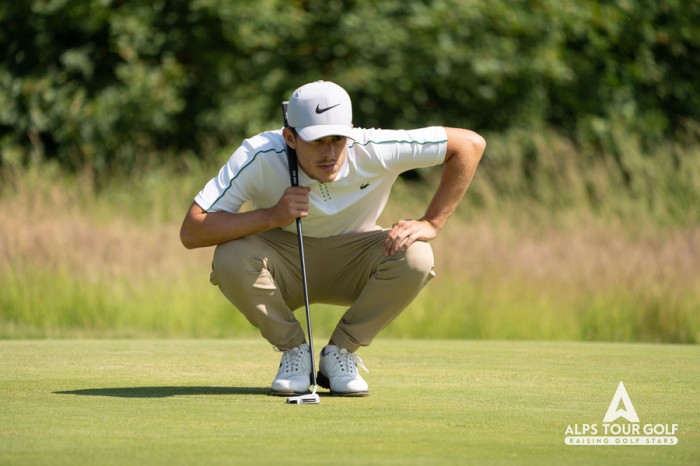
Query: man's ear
[289, 138]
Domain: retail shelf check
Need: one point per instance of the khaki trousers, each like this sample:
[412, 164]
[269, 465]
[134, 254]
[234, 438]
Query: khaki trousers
[261, 276]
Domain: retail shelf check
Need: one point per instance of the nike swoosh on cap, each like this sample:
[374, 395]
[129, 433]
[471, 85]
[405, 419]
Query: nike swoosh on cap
[320, 110]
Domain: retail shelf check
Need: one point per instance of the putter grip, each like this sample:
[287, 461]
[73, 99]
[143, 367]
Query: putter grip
[291, 153]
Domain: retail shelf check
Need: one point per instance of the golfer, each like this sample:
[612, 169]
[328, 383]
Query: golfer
[345, 176]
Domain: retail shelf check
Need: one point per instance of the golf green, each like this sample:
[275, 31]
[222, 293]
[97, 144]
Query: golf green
[205, 402]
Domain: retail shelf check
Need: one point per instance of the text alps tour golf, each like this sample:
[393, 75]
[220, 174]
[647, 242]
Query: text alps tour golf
[622, 434]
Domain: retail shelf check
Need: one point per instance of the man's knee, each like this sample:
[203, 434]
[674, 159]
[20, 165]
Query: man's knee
[414, 265]
[420, 259]
[232, 259]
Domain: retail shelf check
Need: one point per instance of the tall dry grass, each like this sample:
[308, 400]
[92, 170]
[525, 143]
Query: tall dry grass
[76, 263]
[539, 259]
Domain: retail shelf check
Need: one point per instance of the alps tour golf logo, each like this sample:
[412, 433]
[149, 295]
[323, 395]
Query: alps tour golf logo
[629, 431]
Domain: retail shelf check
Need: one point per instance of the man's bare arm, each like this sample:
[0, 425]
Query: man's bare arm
[201, 228]
[464, 151]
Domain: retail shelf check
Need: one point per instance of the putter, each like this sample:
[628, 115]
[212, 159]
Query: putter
[309, 398]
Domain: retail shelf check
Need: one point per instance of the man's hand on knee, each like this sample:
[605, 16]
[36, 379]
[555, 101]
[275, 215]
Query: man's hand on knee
[405, 232]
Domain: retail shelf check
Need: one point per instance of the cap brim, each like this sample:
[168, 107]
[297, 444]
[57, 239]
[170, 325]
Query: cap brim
[312, 133]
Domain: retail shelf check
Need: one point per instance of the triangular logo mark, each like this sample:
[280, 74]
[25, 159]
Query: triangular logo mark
[627, 410]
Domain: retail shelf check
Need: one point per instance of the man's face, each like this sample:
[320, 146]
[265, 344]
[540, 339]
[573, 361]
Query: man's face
[320, 159]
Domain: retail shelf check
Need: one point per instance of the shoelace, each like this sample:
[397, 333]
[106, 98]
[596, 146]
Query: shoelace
[292, 359]
[347, 361]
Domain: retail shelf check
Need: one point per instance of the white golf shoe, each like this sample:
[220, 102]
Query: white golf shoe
[338, 372]
[294, 374]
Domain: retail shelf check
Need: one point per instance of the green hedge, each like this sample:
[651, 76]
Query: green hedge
[108, 84]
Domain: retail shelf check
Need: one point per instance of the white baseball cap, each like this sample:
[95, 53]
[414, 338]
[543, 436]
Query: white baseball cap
[320, 109]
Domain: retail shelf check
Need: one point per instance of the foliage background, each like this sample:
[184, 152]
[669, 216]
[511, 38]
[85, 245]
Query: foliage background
[106, 84]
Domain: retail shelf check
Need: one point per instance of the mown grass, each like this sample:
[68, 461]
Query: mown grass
[565, 250]
[434, 402]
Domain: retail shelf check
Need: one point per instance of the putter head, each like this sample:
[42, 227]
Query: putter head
[308, 399]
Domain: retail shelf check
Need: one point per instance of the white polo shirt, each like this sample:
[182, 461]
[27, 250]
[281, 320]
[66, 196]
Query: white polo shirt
[258, 172]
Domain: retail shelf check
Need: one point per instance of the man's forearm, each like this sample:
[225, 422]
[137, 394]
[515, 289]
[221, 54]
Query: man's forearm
[464, 152]
[201, 228]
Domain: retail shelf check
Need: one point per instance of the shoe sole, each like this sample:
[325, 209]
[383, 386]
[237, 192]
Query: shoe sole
[289, 393]
[323, 381]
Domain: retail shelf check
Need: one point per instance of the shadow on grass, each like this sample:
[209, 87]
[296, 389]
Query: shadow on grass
[165, 392]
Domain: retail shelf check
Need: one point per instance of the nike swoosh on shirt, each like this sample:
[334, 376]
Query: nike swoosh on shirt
[320, 110]
[364, 186]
